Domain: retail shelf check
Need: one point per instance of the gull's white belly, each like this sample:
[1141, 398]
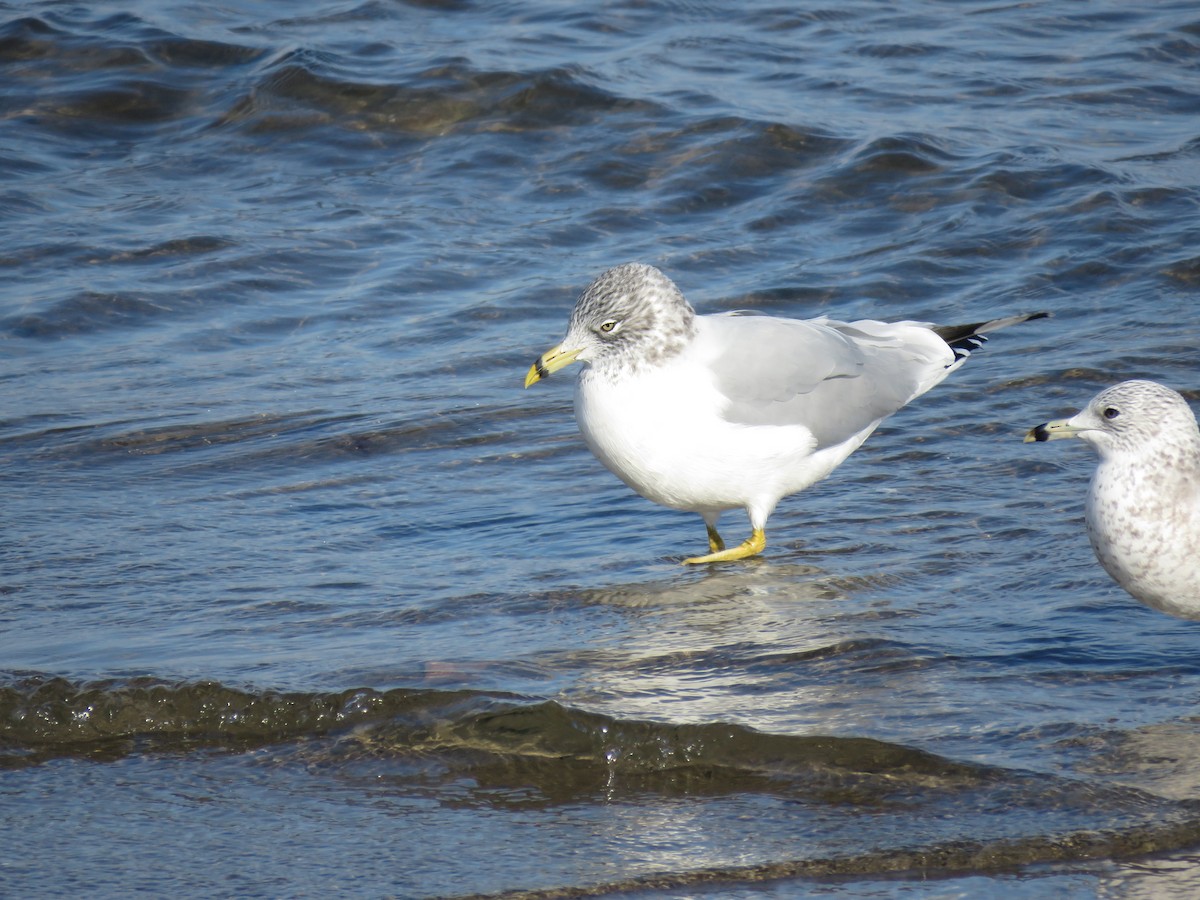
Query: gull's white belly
[662, 433]
[1145, 544]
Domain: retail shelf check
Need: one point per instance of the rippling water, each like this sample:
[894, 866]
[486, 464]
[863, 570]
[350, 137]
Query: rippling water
[301, 593]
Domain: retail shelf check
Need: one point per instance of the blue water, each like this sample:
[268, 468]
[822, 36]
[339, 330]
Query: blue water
[300, 592]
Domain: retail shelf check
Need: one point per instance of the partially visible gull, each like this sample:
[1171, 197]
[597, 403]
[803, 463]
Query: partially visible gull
[716, 412]
[1143, 505]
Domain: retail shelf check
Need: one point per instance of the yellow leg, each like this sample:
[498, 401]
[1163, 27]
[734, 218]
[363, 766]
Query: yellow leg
[752, 546]
[715, 544]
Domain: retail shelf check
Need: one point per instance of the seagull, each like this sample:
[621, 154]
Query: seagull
[1143, 505]
[708, 413]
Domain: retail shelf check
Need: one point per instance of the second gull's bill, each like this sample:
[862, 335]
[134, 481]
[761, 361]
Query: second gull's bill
[716, 412]
[1143, 505]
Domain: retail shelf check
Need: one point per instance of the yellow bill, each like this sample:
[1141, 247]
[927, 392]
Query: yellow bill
[550, 362]
[1053, 431]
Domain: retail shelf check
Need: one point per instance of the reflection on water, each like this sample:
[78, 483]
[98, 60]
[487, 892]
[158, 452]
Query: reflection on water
[744, 586]
[1178, 876]
[1159, 758]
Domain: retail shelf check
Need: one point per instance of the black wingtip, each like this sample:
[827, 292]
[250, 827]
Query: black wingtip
[962, 339]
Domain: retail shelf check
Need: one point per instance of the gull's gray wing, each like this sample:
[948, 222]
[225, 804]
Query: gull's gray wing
[833, 378]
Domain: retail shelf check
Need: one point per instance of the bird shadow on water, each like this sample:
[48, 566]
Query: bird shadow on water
[783, 582]
[673, 586]
[759, 600]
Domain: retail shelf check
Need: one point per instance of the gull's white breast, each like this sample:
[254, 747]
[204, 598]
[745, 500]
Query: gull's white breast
[1145, 530]
[661, 431]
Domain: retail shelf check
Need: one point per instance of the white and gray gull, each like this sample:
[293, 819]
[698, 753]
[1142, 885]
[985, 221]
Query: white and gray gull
[713, 412]
[1143, 505]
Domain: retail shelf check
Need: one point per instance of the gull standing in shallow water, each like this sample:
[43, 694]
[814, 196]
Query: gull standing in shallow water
[709, 413]
[1143, 505]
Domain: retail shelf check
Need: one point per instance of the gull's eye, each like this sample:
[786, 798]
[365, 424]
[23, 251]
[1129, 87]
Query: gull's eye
[609, 326]
[1111, 412]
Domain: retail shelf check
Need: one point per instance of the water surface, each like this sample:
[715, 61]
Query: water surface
[301, 592]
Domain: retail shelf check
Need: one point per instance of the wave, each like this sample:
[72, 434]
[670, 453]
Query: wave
[115, 73]
[959, 858]
[122, 72]
[48, 714]
[503, 750]
[43, 716]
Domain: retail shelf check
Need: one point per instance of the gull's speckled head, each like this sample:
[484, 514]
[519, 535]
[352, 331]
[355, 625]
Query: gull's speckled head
[1127, 418]
[630, 317]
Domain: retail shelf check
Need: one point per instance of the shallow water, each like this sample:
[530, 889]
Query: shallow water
[301, 592]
